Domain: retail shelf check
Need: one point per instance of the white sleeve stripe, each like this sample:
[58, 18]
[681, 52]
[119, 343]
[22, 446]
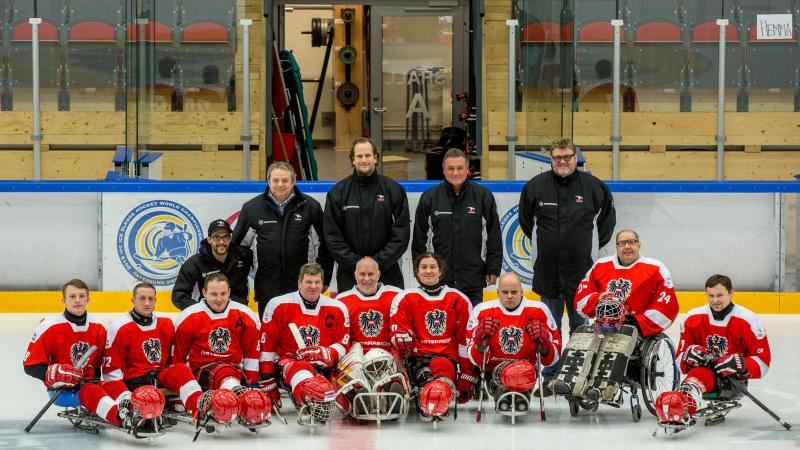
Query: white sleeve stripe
[188, 389]
[113, 376]
[761, 365]
[104, 406]
[582, 304]
[658, 318]
[462, 351]
[250, 364]
[339, 349]
[268, 356]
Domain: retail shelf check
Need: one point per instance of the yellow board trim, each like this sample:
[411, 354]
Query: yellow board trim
[101, 302]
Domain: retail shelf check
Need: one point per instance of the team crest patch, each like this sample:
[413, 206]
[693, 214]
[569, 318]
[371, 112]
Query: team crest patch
[511, 340]
[155, 239]
[620, 287]
[371, 323]
[77, 350]
[152, 350]
[717, 345]
[436, 322]
[219, 340]
[310, 335]
[518, 251]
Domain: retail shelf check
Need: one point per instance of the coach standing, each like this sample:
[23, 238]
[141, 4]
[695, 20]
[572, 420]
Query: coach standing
[573, 214]
[284, 226]
[366, 214]
[458, 220]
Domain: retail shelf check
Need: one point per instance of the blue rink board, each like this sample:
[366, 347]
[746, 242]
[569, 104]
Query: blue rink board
[410, 186]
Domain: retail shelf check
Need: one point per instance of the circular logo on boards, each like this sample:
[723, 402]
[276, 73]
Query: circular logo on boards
[517, 246]
[155, 239]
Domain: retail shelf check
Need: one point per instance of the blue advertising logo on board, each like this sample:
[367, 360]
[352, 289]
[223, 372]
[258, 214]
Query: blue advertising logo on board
[517, 247]
[154, 240]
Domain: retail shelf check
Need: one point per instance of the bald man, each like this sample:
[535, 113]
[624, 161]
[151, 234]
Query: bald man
[506, 335]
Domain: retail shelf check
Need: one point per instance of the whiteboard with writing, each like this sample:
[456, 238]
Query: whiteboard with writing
[774, 26]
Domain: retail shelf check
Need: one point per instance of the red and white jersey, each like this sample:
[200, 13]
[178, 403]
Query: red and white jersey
[439, 323]
[59, 341]
[740, 332]
[645, 286]
[369, 316]
[511, 343]
[133, 350]
[326, 325]
[231, 336]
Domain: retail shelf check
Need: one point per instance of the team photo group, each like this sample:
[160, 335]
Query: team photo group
[383, 347]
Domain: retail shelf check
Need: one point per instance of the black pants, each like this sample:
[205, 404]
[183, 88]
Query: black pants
[475, 296]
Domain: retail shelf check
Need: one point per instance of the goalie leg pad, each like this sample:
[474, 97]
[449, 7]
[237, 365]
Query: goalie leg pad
[574, 366]
[519, 376]
[611, 362]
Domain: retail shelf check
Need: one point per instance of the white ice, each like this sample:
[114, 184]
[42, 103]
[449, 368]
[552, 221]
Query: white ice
[749, 427]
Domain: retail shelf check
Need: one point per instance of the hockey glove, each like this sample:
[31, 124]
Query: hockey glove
[269, 386]
[403, 339]
[465, 385]
[730, 364]
[318, 356]
[487, 327]
[538, 333]
[62, 376]
[696, 356]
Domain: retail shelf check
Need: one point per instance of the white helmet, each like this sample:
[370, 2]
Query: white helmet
[378, 363]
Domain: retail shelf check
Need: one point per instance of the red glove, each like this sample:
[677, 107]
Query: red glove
[269, 386]
[403, 339]
[62, 376]
[465, 385]
[487, 327]
[538, 333]
[696, 356]
[731, 364]
[318, 356]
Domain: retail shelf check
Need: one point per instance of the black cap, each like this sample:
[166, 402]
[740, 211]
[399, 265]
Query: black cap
[219, 224]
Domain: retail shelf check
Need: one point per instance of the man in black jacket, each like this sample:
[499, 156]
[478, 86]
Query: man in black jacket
[216, 254]
[451, 220]
[366, 214]
[573, 213]
[284, 227]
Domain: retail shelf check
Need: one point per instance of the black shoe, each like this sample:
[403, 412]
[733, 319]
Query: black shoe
[546, 390]
[593, 394]
[560, 387]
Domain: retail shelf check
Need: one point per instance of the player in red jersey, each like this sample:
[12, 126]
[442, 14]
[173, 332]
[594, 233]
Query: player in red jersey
[505, 337]
[57, 345]
[301, 358]
[370, 366]
[429, 327]
[720, 340]
[218, 339]
[643, 284]
[138, 350]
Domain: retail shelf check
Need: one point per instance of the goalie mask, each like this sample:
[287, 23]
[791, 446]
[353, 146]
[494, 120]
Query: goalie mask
[609, 313]
[378, 363]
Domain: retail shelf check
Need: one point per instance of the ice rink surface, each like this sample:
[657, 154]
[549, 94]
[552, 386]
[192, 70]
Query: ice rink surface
[607, 428]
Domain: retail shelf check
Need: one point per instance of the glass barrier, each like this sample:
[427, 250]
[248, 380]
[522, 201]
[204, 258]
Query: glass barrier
[669, 55]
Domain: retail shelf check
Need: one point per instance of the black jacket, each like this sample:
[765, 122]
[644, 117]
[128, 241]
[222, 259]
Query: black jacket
[574, 217]
[282, 242]
[457, 224]
[367, 216]
[189, 284]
